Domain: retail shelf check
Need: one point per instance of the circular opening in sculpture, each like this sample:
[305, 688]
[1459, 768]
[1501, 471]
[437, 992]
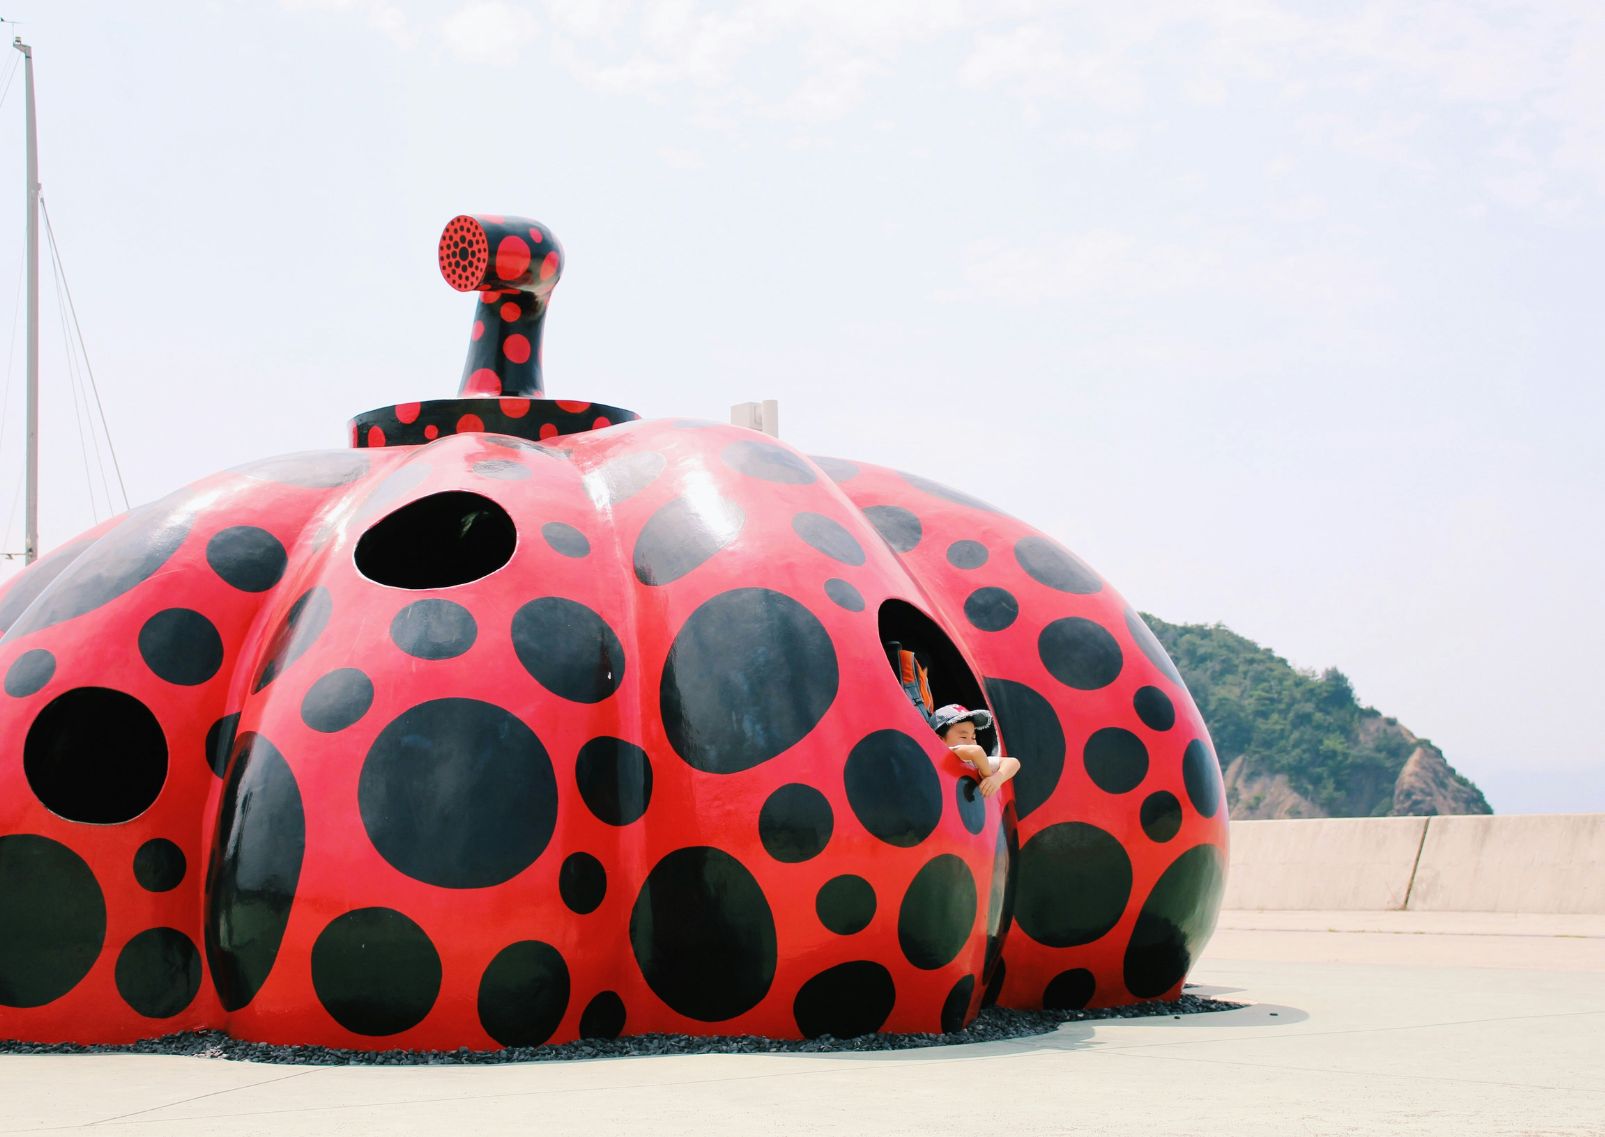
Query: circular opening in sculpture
[438, 541]
[905, 631]
[95, 755]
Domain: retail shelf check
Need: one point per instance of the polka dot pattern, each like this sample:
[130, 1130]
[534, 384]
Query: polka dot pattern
[458, 793]
[753, 679]
[524, 994]
[893, 788]
[375, 971]
[55, 919]
[159, 972]
[845, 1001]
[29, 673]
[703, 935]
[845, 904]
[733, 651]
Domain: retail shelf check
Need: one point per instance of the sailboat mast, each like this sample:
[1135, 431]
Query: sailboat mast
[30, 551]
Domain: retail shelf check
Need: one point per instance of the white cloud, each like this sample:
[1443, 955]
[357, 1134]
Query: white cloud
[490, 32]
[384, 17]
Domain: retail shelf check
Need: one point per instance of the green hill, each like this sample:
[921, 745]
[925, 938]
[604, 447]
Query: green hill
[1296, 744]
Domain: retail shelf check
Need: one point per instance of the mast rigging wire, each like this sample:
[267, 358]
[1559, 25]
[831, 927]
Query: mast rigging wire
[83, 351]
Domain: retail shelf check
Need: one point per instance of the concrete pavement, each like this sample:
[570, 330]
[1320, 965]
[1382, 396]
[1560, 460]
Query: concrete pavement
[1375, 1023]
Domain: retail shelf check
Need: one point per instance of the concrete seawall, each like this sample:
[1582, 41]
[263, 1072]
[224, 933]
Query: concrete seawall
[1552, 863]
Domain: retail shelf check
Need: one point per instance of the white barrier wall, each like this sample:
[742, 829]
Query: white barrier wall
[1326, 863]
[1539, 863]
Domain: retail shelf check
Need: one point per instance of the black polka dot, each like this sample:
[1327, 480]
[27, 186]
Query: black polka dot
[1151, 647]
[829, 537]
[458, 793]
[1175, 922]
[767, 462]
[703, 935]
[603, 1016]
[256, 863]
[967, 554]
[301, 627]
[682, 535]
[127, 555]
[249, 558]
[337, 700]
[375, 971]
[1048, 563]
[502, 469]
[795, 823]
[956, 1007]
[523, 994]
[568, 649]
[947, 493]
[1032, 732]
[32, 582]
[624, 477]
[845, 1001]
[434, 629]
[893, 789]
[615, 779]
[749, 674]
[159, 865]
[1069, 990]
[845, 904]
[29, 673]
[972, 806]
[836, 469]
[181, 646]
[897, 526]
[1200, 773]
[158, 972]
[1161, 816]
[1080, 653]
[220, 742]
[1154, 708]
[582, 882]
[54, 917]
[994, 985]
[991, 609]
[1074, 883]
[1116, 760]
[314, 469]
[844, 595]
[565, 539]
[937, 913]
[95, 755]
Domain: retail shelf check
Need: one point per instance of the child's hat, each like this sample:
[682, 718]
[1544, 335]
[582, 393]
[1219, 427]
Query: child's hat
[944, 717]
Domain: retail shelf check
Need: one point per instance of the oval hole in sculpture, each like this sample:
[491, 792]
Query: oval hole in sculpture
[438, 541]
[95, 755]
[950, 678]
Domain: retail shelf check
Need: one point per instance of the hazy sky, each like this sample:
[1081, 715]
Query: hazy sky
[1281, 316]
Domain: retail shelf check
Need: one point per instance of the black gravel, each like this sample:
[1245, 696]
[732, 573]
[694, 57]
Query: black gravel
[992, 1025]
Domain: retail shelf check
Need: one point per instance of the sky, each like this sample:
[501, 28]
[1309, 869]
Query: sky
[1282, 315]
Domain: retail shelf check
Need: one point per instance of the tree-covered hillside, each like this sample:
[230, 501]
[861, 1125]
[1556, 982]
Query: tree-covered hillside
[1293, 743]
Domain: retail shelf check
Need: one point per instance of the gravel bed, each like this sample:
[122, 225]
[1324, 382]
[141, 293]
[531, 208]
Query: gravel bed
[992, 1025]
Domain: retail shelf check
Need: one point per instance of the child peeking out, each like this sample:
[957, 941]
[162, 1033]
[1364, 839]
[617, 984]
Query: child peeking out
[956, 726]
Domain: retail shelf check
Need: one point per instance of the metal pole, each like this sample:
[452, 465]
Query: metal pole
[30, 549]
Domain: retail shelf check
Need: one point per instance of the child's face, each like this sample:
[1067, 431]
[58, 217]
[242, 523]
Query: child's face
[960, 733]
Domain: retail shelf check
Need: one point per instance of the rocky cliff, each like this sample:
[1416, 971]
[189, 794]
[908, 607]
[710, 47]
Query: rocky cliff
[1297, 744]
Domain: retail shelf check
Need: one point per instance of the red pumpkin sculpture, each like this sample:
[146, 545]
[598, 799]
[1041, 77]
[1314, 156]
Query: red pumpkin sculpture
[525, 721]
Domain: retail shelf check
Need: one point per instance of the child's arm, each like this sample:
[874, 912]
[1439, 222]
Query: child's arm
[969, 752]
[1007, 768]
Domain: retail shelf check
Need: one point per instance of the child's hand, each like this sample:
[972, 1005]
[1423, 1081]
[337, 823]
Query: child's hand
[991, 783]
